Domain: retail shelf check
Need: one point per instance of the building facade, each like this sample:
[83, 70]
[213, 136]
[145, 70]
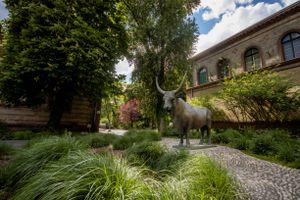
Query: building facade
[273, 43]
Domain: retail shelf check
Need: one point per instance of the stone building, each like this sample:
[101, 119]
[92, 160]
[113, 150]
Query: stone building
[272, 43]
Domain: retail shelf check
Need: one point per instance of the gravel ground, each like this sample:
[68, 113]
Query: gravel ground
[259, 179]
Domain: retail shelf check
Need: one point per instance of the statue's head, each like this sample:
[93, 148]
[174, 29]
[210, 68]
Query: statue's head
[169, 96]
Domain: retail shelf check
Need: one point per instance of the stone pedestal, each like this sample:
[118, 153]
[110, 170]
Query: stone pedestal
[194, 146]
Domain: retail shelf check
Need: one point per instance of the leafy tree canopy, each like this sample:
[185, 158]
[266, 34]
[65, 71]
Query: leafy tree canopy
[162, 35]
[57, 49]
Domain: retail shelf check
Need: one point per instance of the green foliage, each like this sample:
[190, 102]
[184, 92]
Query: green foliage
[4, 131]
[262, 144]
[208, 180]
[136, 136]
[228, 135]
[28, 162]
[148, 153]
[83, 175]
[276, 145]
[260, 96]
[57, 49]
[111, 102]
[210, 102]
[156, 157]
[6, 150]
[62, 168]
[120, 142]
[162, 38]
[99, 139]
[241, 143]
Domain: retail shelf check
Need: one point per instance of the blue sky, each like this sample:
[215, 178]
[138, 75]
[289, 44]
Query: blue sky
[217, 20]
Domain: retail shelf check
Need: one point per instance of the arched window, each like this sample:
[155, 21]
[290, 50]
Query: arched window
[291, 45]
[202, 76]
[252, 59]
[223, 70]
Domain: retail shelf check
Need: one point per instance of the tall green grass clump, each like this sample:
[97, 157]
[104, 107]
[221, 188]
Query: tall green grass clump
[99, 139]
[207, 179]
[6, 150]
[199, 178]
[136, 136]
[29, 161]
[227, 136]
[84, 175]
[156, 157]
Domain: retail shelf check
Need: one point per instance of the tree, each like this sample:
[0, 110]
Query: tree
[161, 42]
[112, 101]
[57, 49]
[129, 112]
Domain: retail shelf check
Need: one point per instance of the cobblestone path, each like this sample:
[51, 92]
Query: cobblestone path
[262, 180]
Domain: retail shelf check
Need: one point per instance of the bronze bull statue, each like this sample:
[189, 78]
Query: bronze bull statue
[186, 116]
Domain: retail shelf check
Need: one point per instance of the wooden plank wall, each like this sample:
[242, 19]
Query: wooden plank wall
[77, 118]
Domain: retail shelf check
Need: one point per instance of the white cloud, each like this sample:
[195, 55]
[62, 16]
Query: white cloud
[288, 2]
[215, 8]
[123, 67]
[234, 21]
[3, 10]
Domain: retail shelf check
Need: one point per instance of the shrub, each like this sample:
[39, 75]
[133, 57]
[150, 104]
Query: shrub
[286, 152]
[6, 150]
[83, 175]
[28, 162]
[262, 144]
[143, 135]
[241, 143]
[210, 102]
[260, 96]
[171, 161]
[229, 135]
[4, 131]
[99, 139]
[169, 132]
[146, 153]
[206, 178]
[136, 136]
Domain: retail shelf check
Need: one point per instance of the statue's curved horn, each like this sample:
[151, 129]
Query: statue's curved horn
[158, 88]
[181, 84]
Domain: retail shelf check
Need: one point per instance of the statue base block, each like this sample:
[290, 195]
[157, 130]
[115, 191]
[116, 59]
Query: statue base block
[194, 146]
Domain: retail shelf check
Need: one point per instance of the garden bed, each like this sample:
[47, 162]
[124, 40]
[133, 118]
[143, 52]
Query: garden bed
[130, 167]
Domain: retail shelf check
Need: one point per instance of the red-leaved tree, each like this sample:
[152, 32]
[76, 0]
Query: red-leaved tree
[129, 112]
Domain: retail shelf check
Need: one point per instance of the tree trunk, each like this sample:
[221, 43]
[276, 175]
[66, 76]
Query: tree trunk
[162, 125]
[96, 117]
[61, 100]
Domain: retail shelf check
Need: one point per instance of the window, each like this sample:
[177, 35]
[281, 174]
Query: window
[252, 59]
[291, 45]
[202, 76]
[223, 70]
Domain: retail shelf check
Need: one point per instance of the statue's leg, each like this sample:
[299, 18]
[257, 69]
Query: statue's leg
[188, 144]
[181, 138]
[201, 136]
[209, 136]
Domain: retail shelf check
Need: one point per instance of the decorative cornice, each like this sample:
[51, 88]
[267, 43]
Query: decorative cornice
[268, 21]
